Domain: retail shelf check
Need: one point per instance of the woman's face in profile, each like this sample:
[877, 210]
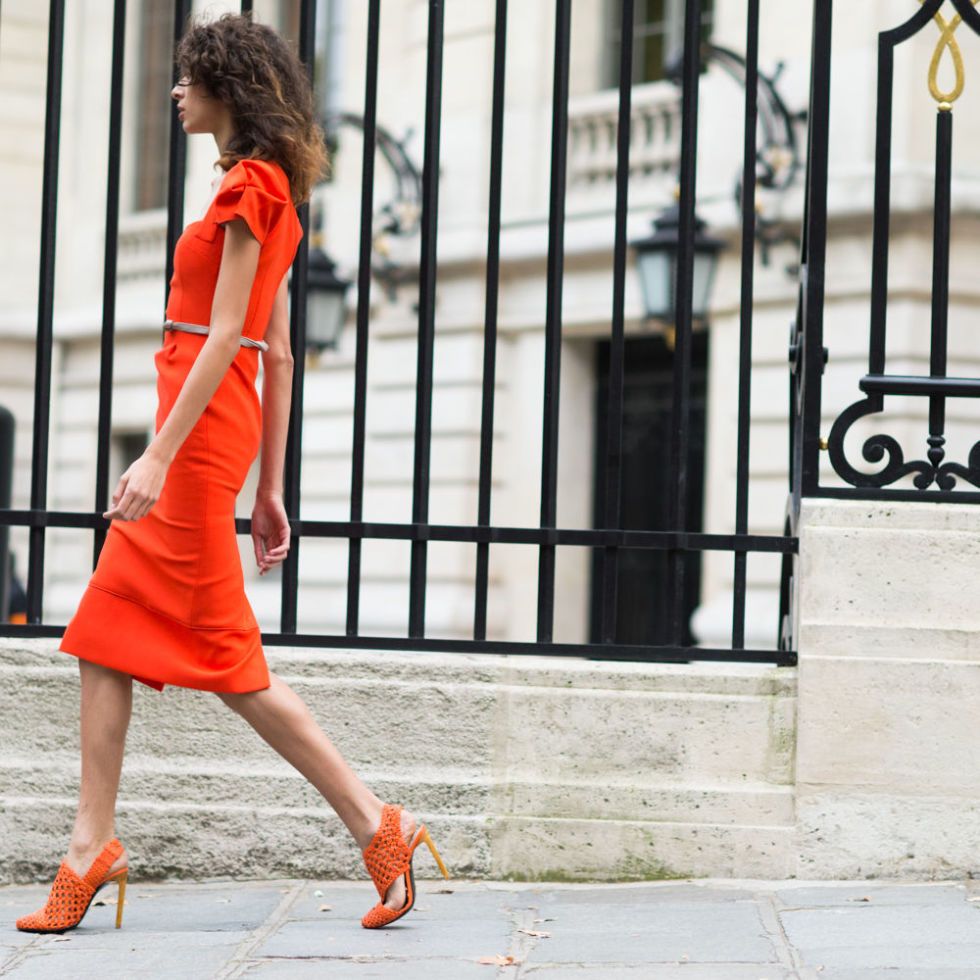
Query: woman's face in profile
[198, 112]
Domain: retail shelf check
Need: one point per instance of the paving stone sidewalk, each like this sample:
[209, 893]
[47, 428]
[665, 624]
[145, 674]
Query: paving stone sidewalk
[704, 929]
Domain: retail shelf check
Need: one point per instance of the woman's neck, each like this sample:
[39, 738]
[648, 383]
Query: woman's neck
[223, 135]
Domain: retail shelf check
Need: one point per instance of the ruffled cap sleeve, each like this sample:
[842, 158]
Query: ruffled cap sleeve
[252, 190]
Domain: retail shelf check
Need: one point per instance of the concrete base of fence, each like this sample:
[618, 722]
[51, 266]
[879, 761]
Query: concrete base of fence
[888, 627]
[524, 768]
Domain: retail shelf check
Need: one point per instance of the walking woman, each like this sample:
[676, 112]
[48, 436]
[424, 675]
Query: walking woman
[166, 603]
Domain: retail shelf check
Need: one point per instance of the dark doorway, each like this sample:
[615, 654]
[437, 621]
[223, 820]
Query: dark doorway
[642, 599]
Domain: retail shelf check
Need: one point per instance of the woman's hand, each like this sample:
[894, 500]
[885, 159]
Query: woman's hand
[139, 488]
[270, 531]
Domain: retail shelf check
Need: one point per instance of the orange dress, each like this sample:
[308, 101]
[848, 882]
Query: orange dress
[166, 602]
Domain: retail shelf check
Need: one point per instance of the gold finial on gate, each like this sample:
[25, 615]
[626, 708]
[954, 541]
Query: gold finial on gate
[947, 39]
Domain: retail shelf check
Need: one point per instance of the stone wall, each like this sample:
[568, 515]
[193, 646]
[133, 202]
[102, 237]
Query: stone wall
[524, 767]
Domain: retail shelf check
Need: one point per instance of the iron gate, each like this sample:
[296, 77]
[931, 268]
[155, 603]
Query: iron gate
[609, 540]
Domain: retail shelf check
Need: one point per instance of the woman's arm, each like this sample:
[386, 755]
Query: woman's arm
[270, 524]
[277, 385]
[140, 486]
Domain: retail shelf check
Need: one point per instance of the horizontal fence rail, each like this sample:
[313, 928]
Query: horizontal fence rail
[679, 542]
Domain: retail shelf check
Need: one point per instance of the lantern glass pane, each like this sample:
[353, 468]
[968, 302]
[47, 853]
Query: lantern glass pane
[704, 274]
[325, 317]
[656, 269]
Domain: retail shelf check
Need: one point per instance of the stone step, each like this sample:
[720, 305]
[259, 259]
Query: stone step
[570, 849]
[566, 723]
[184, 841]
[179, 839]
[444, 792]
[531, 669]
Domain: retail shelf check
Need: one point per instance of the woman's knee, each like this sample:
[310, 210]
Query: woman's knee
[88, 668]
[231, 700]
[237, 701]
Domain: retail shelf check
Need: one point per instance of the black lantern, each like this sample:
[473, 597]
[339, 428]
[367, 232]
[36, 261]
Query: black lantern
[656, 260]
[326, 301]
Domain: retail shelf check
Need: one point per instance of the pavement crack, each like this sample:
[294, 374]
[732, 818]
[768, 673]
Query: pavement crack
[521, 944]
[239, 960]
[769, 914]
[18, 956]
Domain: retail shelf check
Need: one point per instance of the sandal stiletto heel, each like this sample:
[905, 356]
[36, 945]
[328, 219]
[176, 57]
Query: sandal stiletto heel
[388, 857]
[70, 895]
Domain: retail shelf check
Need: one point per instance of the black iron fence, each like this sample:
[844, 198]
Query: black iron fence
[679, 539]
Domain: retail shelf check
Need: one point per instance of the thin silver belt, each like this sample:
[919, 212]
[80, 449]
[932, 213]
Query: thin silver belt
[197, 328]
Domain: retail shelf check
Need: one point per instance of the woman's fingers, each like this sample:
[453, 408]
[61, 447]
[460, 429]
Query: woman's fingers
[273, 555]
[270, 533]
[268, 553]
[122, 510]
[137, 490]
[130, 502]
[115, 510]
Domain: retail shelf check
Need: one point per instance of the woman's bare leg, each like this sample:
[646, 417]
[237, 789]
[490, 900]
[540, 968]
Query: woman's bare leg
[107, 704]
[282, 718]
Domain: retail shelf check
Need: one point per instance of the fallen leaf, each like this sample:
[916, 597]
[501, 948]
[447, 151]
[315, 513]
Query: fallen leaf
[534, 932]
[444, 891]
[499, 960]
[324, 908]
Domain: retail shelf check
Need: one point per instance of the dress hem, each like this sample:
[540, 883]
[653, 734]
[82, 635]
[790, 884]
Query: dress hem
[226, 661]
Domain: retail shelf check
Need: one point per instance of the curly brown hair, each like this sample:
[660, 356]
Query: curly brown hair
[258, 74]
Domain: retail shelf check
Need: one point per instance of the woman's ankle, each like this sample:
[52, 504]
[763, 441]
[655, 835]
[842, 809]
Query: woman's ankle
[87, 843]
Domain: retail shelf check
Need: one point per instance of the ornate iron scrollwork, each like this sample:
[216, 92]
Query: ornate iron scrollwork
[876, 447]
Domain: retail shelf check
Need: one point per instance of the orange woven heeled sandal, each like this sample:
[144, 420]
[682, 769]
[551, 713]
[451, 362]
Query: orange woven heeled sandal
[70, 896]
[388, 857]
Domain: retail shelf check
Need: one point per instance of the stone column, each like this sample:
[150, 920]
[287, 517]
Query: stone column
[888, 751]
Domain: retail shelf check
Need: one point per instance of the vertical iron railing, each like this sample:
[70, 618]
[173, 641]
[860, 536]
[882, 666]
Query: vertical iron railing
[427, 316]
[608, 573]
[178, 164]
[363, 315]
[297, 338]
[45, 309]
[684, 294]
[490, 317]
[552, 324]
[745, 315]
[807, 354]
[110, 254]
